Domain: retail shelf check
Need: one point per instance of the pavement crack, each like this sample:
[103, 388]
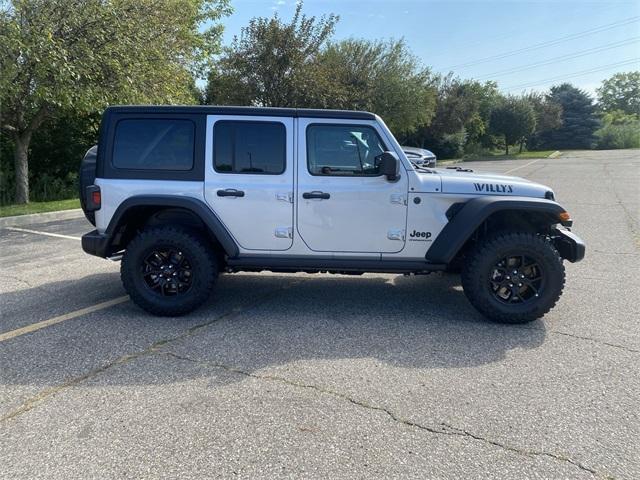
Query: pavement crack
[580, 337]
[41, 396]
[442, 429]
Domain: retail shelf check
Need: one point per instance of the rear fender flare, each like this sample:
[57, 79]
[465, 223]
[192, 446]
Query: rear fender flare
[194, 205]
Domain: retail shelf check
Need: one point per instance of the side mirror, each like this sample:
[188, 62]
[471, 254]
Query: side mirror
[389, 166]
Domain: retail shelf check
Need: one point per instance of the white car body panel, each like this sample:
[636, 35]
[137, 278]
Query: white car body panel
[116, 190]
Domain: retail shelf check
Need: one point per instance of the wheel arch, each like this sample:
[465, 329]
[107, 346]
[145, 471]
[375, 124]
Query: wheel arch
[487, 215]
[140, 211]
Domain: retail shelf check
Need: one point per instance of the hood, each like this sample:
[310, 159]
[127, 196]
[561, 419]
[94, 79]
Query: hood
[418, 151]
[469, 182]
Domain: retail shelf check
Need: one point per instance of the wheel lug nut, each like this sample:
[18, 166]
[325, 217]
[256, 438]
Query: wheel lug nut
[519, 284]
[511, 284]
[508, 277]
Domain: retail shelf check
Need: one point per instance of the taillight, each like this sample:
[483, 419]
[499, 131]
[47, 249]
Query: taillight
[93, 198]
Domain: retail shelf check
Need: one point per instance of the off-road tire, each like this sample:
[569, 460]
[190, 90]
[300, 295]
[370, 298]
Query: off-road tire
[201, 259]
[481, 261]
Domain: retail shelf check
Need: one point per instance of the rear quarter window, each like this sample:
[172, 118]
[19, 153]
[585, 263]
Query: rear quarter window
[154, 144]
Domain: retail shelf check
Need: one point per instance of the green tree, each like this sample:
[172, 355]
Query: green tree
[619, 130]
[80, 56]
[462, 114]
[515, 119]
[548, 117]
[620, 92]
[579, 119]
[270, 63]
[379, 76]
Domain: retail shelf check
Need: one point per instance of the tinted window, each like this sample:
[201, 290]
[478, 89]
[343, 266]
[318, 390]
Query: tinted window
[343, 150]
[249, 147]
[154, 144]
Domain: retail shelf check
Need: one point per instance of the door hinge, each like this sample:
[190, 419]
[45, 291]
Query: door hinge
[285, 196]
[284, 232]
[399, 198]
[396, 235]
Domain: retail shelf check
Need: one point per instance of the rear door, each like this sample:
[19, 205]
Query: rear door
[249, 178]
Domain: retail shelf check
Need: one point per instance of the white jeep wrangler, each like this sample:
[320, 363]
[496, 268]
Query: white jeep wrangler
[183, 193]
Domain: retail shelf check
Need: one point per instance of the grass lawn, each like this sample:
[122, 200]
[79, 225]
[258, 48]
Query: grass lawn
[38, 207]
[511, 156]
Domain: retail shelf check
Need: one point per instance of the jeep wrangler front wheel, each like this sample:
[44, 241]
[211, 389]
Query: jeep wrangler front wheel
[168, 271]
[514, 277]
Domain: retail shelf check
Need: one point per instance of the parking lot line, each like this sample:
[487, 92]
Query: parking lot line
[61, 318]
[522, 166]
[37, 232]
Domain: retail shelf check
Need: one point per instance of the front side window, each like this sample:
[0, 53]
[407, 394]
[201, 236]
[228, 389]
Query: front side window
[343, 150]
[249, 147]
[154, 144]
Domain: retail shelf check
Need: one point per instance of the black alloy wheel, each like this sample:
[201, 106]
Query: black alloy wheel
[167, 271]
[516, 279]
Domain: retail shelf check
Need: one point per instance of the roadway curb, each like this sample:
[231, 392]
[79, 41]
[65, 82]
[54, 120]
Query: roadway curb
[19, 220]
[555, 154]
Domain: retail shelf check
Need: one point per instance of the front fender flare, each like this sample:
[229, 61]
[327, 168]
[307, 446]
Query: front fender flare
[474, 212]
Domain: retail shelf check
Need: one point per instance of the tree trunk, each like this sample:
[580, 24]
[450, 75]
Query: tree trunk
[21, 162]
[521, 145]
[506, 146]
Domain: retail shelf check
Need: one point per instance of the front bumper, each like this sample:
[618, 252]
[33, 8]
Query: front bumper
[98, 244]
[570, 246]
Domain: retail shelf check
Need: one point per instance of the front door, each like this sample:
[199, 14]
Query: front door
[343, 203]
[249, 178]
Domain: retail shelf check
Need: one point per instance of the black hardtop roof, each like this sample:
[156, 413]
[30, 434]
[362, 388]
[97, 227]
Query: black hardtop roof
[254, 111]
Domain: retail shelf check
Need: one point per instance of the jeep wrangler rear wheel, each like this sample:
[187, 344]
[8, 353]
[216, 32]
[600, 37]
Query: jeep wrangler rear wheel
[168, 271]
[514, 277]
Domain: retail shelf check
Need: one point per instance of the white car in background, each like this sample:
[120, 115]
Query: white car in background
[420, 156]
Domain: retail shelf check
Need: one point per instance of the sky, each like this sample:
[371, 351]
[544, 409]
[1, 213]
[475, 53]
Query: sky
[523, 45]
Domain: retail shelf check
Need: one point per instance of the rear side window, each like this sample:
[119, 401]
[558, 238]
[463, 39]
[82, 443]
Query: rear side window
[154, 144]
[249, 147]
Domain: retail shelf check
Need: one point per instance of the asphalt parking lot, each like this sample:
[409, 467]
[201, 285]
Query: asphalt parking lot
[295, 376]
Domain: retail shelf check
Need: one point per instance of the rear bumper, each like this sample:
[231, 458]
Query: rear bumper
[97, 244]
[570, 246]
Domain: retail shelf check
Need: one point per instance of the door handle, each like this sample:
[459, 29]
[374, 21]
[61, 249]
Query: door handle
[230, 192]
[316, 194]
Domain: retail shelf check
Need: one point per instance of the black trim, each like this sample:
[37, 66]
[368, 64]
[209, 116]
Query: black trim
[97, 244]
[231, 110]
[230, 192]
[329, 264]
[570, 246]
[194, 205]
[473, 213]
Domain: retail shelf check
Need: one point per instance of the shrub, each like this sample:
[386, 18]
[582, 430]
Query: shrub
[618, 136]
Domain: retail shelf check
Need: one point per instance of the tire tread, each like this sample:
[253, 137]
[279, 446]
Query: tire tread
[472, 276]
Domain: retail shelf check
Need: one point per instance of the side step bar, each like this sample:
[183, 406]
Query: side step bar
[330, 264]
